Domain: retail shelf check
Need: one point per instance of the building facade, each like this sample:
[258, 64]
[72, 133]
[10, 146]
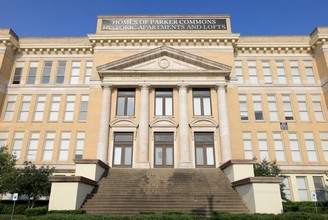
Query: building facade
[169, 92]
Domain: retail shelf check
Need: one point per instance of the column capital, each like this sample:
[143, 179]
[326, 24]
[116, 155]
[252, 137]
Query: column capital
[144, 85]
[183, 85]
[222, 85]
[106, 86]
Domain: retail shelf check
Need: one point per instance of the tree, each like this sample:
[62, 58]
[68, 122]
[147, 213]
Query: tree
[7, 170]
[33, 182]
[27, 180]
[267, 168]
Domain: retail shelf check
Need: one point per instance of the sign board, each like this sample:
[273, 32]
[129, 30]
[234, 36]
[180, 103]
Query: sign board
[158, 24]
[314, 196]
[15, 196]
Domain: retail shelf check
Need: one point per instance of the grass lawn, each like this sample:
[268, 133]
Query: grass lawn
[8, 217]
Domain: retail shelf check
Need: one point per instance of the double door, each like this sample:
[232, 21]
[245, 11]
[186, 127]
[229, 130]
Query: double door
[163, 150]
[204, 147]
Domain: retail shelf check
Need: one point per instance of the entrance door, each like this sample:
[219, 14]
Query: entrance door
[204, 147]
[123, 145]
[163, 144]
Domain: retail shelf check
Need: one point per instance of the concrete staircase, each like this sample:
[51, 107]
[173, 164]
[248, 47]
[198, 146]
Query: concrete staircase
[131, 191]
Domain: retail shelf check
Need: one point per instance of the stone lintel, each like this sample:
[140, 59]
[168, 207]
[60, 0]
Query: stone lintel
[259, 179]
[235, 161]
[72, 179]
[93, 161]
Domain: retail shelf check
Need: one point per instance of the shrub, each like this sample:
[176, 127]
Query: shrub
[319, 207]
[8, 208]
[36, 211]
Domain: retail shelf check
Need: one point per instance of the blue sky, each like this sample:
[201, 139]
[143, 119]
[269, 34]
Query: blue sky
[30, 18]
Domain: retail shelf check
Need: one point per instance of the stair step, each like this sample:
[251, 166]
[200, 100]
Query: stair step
[131, 191]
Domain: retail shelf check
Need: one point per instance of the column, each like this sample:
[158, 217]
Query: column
[224, 123]
[144, 127]
[184, 128]
[102, 150]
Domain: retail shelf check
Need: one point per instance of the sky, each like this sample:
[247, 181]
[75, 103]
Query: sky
[77, 18]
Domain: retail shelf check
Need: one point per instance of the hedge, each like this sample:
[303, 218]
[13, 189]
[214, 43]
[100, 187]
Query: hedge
[310, 207]
[185, 216]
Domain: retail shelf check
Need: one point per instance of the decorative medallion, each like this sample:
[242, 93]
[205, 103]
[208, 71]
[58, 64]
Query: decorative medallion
[163, 63]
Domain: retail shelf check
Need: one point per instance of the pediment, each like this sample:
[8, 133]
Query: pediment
[123, 123]
[163, 123]
[164, 59]
[203, 123]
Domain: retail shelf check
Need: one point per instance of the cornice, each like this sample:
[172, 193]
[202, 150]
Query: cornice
[272, 48]
[182, 39]
[37, 49]
[9, 39]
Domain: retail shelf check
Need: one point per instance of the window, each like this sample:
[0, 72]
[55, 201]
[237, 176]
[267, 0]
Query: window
[204, 147]
[61, 72]
[18, 73]
[9, 113]
[239, 72]
[295, 72]
[75, 72]
[3, 138]
[287, 107]
[252, 72]
[316, 100]
[163, 143]
[319, 188]
[33, 146]
[278, 146]
[163, 102]
[324, 144]
[25, 108]
[88, 72]
[283, 126]
[258, 112]
[54, 108]
[247, 139]
[39, 109]
[202, 102]
[302, 107]
[64, 145]
[32, 73]
[263, 145]
[125, 102]
[273, 112]
[267, 72]
[294, 147]
[84, 108]
[79, 145]
[123, 145]
[46, 72]
[17, 143]
[309, 72]
[287, 190]
[69, 110]
[302, 188]
[243, 107]
[310, 146]
[49, 144]
[281, 72]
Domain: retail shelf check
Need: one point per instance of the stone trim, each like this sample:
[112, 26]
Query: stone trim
[64, 171]
[72, 179]
[259, 179]
[92, 161]
[304, 171]
[235, 161]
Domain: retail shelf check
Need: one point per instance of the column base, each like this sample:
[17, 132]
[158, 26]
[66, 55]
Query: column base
[185, 165]
[143, 165]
